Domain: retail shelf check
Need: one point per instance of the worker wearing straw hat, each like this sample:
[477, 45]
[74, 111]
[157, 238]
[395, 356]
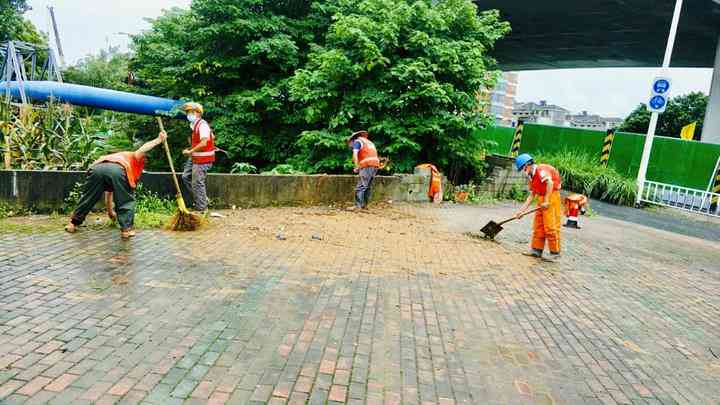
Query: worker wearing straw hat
[201, 156]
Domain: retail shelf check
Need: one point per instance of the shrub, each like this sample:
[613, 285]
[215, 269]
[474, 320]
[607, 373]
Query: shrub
[243, 168]
[582, 173]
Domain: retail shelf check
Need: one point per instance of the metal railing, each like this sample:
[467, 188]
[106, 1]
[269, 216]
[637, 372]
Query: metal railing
[687, 199]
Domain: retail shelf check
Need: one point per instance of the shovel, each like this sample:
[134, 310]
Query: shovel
[493, 228]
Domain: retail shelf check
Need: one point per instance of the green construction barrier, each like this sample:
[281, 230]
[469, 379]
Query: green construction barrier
[672, 161]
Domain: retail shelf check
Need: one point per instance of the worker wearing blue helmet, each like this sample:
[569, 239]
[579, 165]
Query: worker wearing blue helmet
[544, 184]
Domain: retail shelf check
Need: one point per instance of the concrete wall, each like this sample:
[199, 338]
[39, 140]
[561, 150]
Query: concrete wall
[46, 190]
[502, 176]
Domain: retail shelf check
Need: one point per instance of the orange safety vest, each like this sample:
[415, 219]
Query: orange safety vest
[435, 179]
[367, 156]
[536, 184]
[133, 167]
[573, 203]
[207, 154]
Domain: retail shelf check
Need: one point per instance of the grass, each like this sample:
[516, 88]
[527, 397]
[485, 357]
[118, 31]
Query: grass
[583, 174]
[151, 212]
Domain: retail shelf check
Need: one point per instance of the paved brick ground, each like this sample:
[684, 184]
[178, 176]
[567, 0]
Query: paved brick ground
[393, 306]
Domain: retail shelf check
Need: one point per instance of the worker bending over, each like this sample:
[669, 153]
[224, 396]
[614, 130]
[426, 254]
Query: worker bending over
[116, 176]
[574, 204]
[367, 163]
[544, 184]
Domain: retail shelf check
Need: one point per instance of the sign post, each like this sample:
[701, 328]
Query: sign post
[658, 101]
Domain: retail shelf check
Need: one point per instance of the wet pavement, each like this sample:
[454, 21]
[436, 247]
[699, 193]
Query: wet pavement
[396, 305]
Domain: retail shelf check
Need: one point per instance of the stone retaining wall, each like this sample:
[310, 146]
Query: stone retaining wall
[46, 190]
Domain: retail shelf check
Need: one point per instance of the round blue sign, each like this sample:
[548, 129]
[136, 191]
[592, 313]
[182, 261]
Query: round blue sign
[661, 86]
[657, 102]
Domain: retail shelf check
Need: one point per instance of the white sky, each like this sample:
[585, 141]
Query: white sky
[86, 27]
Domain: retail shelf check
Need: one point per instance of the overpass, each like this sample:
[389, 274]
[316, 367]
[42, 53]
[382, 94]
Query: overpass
[560, 34]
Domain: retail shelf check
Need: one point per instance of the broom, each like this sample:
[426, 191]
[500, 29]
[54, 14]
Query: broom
[183, 220]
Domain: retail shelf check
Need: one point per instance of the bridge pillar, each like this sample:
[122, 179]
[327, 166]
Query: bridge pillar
[711, 125]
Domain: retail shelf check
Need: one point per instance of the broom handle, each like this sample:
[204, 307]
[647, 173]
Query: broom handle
[169, 158]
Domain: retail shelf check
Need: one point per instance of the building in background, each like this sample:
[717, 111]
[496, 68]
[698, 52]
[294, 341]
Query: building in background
[499, 101]
[541, 113]
[593, 121]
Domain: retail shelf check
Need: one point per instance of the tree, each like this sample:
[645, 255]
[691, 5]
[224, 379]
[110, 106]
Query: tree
[408, 71]
[108, 70]
[13, 26]
[287, 80]
[243, 83]
[680, 111]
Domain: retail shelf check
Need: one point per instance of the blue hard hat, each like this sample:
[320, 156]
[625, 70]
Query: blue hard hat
[522, 160]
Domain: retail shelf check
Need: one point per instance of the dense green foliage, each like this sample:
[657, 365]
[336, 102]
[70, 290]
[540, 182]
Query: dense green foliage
[681, 111]
[286, 81]
[108, 69]
[12, 24]
[581, 173]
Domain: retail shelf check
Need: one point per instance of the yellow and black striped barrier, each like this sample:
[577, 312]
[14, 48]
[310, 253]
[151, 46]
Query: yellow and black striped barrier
[607, 147]
[515, 148]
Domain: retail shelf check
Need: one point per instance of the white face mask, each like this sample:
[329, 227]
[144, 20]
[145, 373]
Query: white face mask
[192, 117]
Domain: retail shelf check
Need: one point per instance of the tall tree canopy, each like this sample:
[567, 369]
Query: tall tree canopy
[288, 80]
[14, 26]
[680, 111]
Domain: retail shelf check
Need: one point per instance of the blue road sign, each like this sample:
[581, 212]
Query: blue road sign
[658, 103]
[659, 95]
[661, 85]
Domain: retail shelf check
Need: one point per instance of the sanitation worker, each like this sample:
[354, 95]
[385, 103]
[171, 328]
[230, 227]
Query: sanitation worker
[116, 176]
[574, 205]
[367, 163]
[201, 156]
[544, 184]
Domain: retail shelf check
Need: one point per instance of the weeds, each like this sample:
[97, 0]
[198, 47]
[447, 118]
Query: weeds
[581, 173]
[151, 210]
[243, 168]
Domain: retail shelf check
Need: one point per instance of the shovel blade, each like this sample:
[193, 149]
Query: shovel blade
[491, 229]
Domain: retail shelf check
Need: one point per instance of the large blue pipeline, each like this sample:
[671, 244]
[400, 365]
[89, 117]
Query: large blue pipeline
[43, 91]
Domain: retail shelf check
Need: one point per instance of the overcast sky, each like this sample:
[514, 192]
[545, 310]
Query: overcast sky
[86, 27]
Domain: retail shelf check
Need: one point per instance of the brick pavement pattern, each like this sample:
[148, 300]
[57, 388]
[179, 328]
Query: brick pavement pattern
[397, 305]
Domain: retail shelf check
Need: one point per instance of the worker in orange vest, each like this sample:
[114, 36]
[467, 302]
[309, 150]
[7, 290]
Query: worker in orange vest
[116, 176]
[367, 163]
[575, 204]
[435, 190]
[201, 156]
[544, 185]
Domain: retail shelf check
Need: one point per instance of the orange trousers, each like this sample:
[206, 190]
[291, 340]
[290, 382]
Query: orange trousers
[546, 226]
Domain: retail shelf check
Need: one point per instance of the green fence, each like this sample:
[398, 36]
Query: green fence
[672, 161]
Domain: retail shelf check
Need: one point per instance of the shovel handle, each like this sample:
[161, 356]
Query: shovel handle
[524, 213]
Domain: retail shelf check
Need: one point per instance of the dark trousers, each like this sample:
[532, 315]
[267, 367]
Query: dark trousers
[103, 177]
[364, 186]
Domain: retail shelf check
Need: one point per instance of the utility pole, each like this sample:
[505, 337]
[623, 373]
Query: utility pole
[654, 117]
[57, 36]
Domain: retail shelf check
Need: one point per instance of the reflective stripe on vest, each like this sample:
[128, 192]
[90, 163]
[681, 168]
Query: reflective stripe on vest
[367, 156]
[537, 185]
[207, 154]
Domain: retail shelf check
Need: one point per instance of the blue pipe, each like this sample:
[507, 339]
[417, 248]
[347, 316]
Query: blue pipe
[42, 91]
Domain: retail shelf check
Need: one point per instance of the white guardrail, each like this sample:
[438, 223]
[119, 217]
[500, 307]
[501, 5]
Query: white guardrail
[687, 199]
